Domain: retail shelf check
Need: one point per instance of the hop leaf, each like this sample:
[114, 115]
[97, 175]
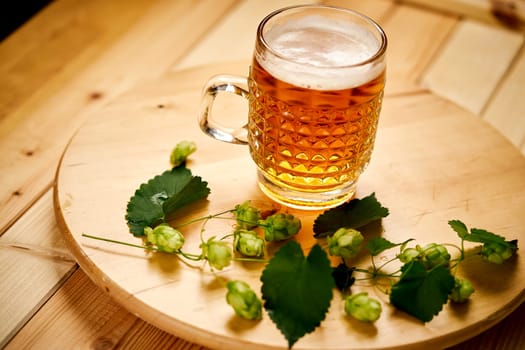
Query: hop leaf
[297, 290]
[495, 248]
[460, 228]
[377, 245]
[155, 200]
[422, 293]
[353, 214]
[478, 235]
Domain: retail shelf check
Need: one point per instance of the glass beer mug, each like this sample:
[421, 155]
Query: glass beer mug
[314, 90]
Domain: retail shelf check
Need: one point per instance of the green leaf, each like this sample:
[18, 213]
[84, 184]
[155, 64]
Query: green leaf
[194, 190]
[353, 214]
[161, 196]
[378, 245]
[480, 236]
[422, 293]
[483, 236]
[459, 227]
[296, 290]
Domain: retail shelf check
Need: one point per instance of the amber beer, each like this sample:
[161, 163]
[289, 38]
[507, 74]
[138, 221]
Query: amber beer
[313, 117]
[315, 89]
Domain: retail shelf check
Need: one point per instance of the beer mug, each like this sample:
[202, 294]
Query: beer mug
[314, 89]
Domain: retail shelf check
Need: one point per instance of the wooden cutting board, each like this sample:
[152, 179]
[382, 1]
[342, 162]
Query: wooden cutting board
[433, 162]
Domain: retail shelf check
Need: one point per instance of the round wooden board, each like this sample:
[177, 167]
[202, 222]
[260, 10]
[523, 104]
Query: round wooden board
[433, 162]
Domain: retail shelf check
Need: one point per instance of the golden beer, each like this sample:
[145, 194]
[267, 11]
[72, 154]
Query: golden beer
[317, 135]
[310, 139]
[315, 89]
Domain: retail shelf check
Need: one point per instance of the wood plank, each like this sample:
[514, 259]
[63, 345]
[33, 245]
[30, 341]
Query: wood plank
[410, 51]
[143, 335]
[471, 65]
[29, 276]
[505, 110]
[44, 331]
[65, 83]
[64, 31]
[478, 9]
[92, 319]
[375, 9]
[139, 334]
[494, 338]
[483, 10]
[144, 44]
[246, 16]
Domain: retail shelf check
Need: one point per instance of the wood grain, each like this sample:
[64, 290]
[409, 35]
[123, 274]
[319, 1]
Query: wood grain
[101, 54]
[240, 23]
[494, 12]
[505, 110]
[486, 11]
[29, 271]
[418, 153]
[40, 63]
[469, 69]
[410, 52]
[103, 323]
[378, 10]
[67, 61]
[135, 333]
[477, 9]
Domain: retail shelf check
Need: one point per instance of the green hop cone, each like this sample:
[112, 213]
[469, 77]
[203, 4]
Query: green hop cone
[243, 300]
[246, 215]
[345, 242]
[496, 253]
[218, 253]
[409, 254]
[362, 307]
[462, 290]
[280, 226]
[165, 238]
[180, 153]
[248, 243]
[433, 255]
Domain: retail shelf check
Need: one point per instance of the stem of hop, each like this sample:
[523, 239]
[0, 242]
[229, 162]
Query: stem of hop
[346, 243]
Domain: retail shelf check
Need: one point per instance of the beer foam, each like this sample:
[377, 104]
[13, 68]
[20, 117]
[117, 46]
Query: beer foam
[317, 53]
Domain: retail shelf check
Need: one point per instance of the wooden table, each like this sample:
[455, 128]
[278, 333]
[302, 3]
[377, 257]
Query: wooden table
[74, 59]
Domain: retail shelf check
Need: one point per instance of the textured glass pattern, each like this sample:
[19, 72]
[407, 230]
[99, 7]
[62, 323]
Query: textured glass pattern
[313, 146]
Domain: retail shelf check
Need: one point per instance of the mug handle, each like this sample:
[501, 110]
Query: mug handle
[228, 83]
